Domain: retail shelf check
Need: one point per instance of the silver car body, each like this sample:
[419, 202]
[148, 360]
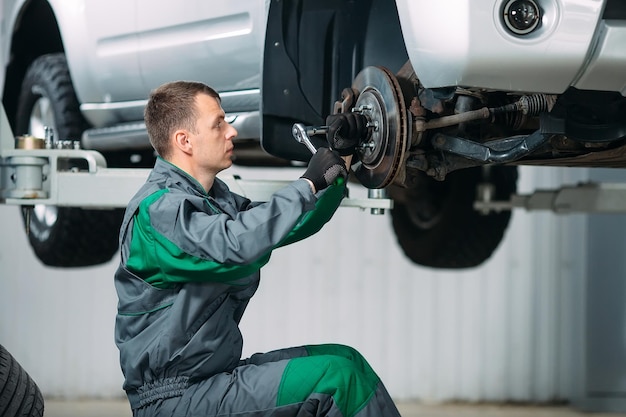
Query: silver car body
[118, 50]
[573, 46]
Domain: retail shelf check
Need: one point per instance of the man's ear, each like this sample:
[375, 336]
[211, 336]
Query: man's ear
[182, 142]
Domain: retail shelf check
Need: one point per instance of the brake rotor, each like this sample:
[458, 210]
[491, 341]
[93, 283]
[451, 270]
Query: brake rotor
[380, 100]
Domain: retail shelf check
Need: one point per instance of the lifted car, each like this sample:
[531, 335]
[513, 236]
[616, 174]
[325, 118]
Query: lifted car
[456, 95]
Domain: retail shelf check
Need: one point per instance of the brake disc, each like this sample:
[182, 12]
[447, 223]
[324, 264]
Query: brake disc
[380, 99]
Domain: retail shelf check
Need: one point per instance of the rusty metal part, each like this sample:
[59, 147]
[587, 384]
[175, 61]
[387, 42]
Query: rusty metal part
[526, 106]
[416, 108]
[348, 98]
[455, 119]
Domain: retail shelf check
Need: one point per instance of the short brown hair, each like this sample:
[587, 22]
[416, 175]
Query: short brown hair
[170, 107]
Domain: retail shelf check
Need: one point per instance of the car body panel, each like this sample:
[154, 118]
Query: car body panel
[481, 53]
[218, 42]
[8, 19]
[114, 66]
[605, 68]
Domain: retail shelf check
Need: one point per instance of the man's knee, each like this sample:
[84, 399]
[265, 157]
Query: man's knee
[335, 375]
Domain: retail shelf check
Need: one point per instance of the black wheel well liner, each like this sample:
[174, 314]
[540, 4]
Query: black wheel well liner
[313, 50]
[35, 33]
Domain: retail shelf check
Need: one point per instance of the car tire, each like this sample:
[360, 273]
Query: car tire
[19, 394]
[437, 226]
[61, 236]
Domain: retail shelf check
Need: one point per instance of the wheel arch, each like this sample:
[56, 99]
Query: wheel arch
[313, 50]
[26, 44]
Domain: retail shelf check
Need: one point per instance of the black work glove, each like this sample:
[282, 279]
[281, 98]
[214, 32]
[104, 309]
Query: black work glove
[324, 168]
[345, 131]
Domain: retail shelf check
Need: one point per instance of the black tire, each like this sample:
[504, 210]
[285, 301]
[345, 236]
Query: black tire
[75, 237]
[19, 394]
[437, 226]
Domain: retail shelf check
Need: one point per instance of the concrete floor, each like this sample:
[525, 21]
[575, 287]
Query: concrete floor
[119, 408]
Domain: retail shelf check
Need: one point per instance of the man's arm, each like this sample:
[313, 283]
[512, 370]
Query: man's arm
[328, 202]
[237, 239]
[177, 238]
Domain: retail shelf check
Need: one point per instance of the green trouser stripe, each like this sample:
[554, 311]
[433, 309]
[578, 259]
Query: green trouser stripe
[334, 370]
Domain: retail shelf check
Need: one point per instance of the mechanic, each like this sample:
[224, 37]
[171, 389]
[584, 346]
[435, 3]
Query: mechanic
[191, 251]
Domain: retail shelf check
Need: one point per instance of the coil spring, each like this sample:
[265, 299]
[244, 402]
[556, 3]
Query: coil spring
[535, 104]
[516, 114]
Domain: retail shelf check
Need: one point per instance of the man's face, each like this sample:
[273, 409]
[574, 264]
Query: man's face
[213, 138]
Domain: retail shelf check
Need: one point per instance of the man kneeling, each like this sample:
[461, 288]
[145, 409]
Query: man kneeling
[191, 251]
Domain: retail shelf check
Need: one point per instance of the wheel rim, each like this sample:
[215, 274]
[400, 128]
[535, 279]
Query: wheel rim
[424, 214]
[42, 217]
[424, 206]
[41, 116]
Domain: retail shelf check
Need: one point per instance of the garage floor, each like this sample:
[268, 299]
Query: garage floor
[56, 408]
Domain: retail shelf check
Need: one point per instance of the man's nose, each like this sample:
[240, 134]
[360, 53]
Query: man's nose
[232, 132]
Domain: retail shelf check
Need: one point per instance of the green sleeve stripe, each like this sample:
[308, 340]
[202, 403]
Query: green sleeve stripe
[162, 263]
[335, 370]
[312, 221]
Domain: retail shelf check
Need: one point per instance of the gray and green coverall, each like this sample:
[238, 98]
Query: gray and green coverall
[190, 262]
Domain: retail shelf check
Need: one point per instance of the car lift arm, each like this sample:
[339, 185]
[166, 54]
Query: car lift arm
[41, 176]
[588, 197]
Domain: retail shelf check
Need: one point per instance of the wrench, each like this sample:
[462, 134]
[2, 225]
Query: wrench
[301, 133]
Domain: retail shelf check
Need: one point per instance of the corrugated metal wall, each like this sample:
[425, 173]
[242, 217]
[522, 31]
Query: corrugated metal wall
[503, 331]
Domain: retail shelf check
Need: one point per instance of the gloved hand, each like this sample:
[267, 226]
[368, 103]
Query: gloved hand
[324, 168]
[345, 131]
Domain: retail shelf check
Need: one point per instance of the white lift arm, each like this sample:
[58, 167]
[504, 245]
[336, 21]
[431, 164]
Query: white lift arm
[42, 176]
[590, 197]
